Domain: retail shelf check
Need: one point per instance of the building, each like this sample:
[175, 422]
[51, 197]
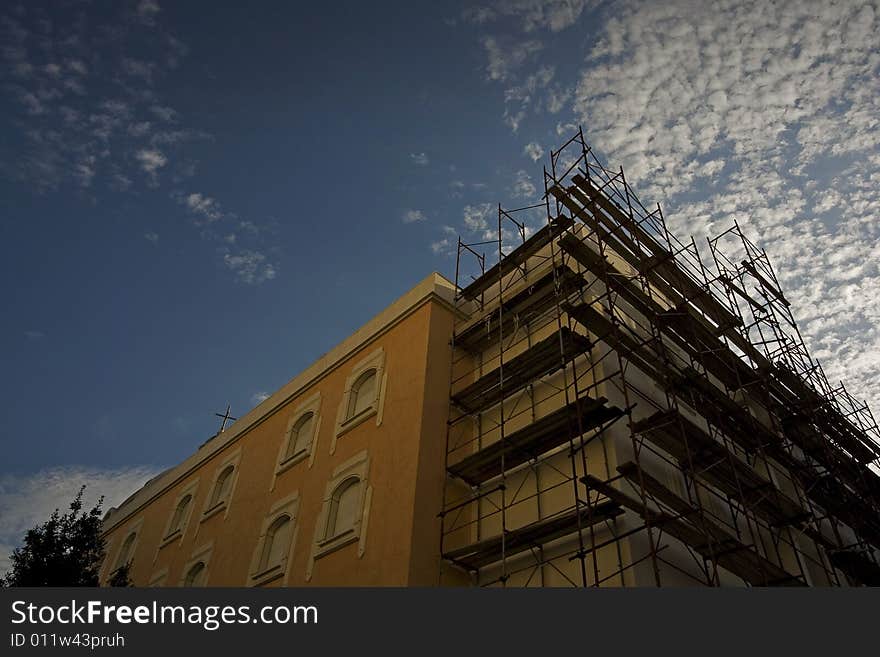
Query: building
[600, 406]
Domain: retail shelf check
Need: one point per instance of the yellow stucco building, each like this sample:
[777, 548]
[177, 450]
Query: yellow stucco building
[332, 480]
[598, 408]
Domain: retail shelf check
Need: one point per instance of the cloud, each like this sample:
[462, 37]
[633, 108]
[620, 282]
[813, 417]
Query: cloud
[151, 159]
[139, 69]
[250, 267]
[28, 500]
[33, 334]
[507, 55]
[420, 159]
[476, 217]
[523, 187]
[147, 10]
[203, 206]
[151, 237]
[555, 15]
[765, 113]
[534, 151]
[167, 114]
[259, 397]
[412, 216]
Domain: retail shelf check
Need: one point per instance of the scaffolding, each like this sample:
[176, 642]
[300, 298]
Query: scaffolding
[623, 413]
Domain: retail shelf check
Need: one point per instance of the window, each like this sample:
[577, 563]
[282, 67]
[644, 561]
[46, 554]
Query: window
[277, 539]
[222, 489]
[222, 486]
[346, 509]
[175, 528]
[195, 571]
[275, 544]
[180, 514]
[342, 511]
[300, 436]
[126, 551]
[363, 394]
[195, 576]
[128, 547]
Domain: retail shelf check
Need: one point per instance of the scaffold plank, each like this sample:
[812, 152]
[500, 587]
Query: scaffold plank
[519, 255]
[535, 439]
[522, 306]
[692, 527]
[705, 457]
[491, 550]
[857, 565]
[542, 359]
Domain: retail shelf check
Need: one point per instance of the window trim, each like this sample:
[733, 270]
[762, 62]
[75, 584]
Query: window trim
[311, 405]
[170, 535]
[376, 361]
[258, 575]
[133, 527]
[202, 553]
[158, 578]
[210, 510]
[356, 467]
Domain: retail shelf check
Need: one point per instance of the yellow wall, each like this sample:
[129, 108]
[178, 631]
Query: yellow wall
[401, 542]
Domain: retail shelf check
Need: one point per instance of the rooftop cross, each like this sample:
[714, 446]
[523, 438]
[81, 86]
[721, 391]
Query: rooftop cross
[226, 416]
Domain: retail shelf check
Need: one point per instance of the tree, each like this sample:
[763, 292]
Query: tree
[66, 550]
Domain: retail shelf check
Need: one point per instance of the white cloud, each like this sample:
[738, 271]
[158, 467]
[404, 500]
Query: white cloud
[164, 113]
[443, 247]
[420, 159]
[33, 334]
[139, 129]
[204, 206]
[523, 187]
[147, 10]
[534, 151]
[139, 69]
[476, 217]
[151, 159]
[412, 216]
[151, 237]
[765, 113]
[250, 267]
[507, 55]
[28, 500]
[259, 397]
[555, 15]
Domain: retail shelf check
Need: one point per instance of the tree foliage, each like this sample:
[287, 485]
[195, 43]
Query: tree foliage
[66, 550]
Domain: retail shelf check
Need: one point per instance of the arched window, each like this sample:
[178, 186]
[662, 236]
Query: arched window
[222, 487]
[195, 576]
[342, 513]
[300, 436]
[180, 513]
[363, 394]
[126, 550]
[275, 543]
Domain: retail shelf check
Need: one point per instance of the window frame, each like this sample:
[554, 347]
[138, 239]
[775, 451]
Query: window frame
[259, 573]
[311, 405]
[133, 527]
[356, 467]
[210, 509]
[202, 553]
[158, 578]
[171, 534]
[375, 361]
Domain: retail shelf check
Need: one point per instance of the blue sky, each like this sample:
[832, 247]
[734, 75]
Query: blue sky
[197, 200]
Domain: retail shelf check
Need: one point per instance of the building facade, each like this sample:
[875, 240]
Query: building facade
[600, 407]
[332, 480]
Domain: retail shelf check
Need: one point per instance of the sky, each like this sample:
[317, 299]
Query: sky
[199, 199]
